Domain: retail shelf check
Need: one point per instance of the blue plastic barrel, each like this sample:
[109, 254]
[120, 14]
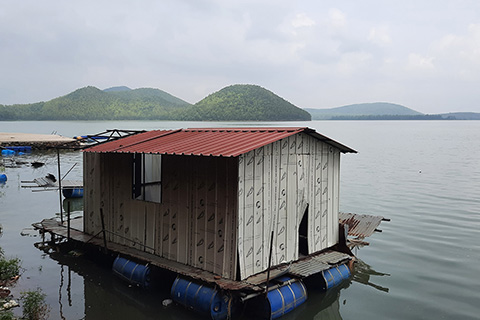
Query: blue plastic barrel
[200, 298]
[72, 192]
[286, 297]
[3, 177]
[7, 152]
[334, 276]
[20, 148]
[132, 272]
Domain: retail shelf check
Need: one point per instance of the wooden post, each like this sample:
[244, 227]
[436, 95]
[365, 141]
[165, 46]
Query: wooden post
[68, 220]
[269, 264]
[59, 186]
[103, 230]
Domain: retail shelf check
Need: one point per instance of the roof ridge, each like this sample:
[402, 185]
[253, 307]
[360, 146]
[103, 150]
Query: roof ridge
[247, 129]
[167, 132]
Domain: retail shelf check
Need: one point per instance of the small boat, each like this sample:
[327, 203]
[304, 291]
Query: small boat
[37, 164]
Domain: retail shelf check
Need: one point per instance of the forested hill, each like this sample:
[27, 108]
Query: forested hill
[246, 103]
[91, 103]
[238, 102]
[376, 109]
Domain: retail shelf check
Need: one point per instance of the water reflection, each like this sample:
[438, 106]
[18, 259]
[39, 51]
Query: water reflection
[320, 305]
[76, 205]
[363, 274]
[2, 181]
[97, 293]
[331, 301]
[68, 289]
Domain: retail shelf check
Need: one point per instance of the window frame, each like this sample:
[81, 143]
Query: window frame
[146, 176]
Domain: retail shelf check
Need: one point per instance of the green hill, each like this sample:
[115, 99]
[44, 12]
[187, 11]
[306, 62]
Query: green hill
[91, 103]
[376, 109]
[150, 96]
[245, 103]
[237, 102]
[117, 89]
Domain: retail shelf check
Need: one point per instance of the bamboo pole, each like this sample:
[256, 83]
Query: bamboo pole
[59, 186]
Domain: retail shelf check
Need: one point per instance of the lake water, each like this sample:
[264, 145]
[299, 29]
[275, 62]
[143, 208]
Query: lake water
[423, 175]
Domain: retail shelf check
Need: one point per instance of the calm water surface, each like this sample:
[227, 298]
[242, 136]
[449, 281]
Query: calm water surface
[424, 176]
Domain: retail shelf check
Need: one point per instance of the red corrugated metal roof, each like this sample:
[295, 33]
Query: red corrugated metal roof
[360, 225]
[226, 142]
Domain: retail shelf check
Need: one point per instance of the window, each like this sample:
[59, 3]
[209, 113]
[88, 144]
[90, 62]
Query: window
[147, 177]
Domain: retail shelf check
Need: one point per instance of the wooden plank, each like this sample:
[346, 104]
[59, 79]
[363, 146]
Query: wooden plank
[199, 218]
[267, 208]
[291, 226]
[275, 192]
[221, 194]
[281, 227]
[115, 183]
[230, 235]
[313, 171]
[210, 213]
[325, 197]
[164, 224]
[181, 217]
[96, 184]
[336, 196]
[241, 214]
[248, 216]
[331, 224]
[314, 225]
[257, 222]
[150, 227]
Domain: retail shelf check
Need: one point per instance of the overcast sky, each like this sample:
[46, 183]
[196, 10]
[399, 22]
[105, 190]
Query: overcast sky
[423, 54]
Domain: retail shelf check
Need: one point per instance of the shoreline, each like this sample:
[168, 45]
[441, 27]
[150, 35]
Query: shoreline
[36, 141]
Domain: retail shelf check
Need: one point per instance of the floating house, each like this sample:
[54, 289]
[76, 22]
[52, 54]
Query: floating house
[229, 210]
[210, 198]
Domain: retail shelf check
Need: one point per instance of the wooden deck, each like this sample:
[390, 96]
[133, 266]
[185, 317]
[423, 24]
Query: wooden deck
[301, 268]
[45, 182]
[56, 228]
[36, 141]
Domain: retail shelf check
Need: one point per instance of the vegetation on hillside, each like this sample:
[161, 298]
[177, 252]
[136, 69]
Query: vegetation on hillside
[91, 103]
[245, 103]
[239, 102]
[232, 103]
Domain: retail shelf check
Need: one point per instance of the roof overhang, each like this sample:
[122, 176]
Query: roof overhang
[223, 142]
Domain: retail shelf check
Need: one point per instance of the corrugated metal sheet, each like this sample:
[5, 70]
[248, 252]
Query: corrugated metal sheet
[304, 267]
[226, 142]
[317, 263]
[194, 225]
[279, 185]
[360, 225]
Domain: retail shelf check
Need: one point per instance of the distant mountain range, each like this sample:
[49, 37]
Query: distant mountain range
[364, 109]
[232, 103]
[237, 102]
[461, 115]
[384, 111]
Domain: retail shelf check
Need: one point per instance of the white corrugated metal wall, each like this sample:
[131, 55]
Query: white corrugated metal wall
[276, 182]
[196, 222]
